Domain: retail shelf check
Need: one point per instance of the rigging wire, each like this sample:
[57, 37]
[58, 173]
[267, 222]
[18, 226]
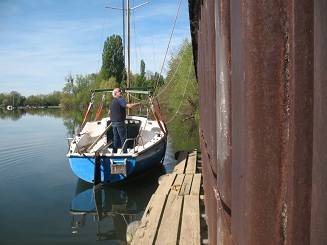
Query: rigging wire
[136, 42]
[101, 41]
[171, 79]
[180, 103]
[171, 35]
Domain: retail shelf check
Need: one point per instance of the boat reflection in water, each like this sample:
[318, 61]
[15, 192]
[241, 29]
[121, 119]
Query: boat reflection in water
[122, 204]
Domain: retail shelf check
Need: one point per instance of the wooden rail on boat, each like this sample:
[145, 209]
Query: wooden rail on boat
[175, 211]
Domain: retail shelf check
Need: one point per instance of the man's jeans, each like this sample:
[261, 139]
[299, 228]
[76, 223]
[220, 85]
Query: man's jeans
[119, 131]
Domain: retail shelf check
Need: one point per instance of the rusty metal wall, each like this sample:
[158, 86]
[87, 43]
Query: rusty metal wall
[207, 55]
[318, 229]
[262, 69]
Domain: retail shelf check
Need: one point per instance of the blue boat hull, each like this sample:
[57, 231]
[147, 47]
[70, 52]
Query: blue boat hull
[84, 167]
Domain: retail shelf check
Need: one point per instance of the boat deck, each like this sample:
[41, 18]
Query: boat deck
[175, 212]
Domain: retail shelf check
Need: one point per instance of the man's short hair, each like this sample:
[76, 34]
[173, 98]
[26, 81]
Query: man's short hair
[114, 91]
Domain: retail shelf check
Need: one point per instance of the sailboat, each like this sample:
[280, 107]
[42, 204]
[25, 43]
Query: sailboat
[12, 107]
[91, 154]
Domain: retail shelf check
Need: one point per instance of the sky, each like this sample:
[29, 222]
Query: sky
[43, 41]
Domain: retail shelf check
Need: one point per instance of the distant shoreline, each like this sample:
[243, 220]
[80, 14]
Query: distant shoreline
[35, 107]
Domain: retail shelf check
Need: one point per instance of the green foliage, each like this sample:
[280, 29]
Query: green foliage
[76, 93]
[111, 83]
[139, 79]
[113, 64]
[179, 98]
[52, 99]
[142, 69]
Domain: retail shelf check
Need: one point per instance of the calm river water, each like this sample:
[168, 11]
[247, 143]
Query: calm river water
[40, 193]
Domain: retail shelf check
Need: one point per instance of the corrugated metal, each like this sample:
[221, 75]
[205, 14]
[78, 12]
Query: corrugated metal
[318, 229]
[262, 69]
[208, 90]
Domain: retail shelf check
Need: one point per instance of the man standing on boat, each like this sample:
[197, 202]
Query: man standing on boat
[117, 113]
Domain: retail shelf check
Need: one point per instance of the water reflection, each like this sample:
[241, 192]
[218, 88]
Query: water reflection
[121, 205]
[19, 113]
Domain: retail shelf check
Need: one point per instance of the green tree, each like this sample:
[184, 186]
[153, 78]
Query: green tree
[155, 79]
[142, 69]
[140, 80]
[179, 98]
[53, 99]
[113, 64]
[76, 92]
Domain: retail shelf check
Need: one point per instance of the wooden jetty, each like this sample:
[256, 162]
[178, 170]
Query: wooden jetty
[176, 210]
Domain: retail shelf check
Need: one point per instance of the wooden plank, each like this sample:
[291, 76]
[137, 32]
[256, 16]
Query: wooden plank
[166, 183]
[181, 162]
[173, 213]
[191, 163]
[186, 186]
[148, 207]
[168, 230]
[177, 185]
[190, 226]
[196, 185]
[145, 234]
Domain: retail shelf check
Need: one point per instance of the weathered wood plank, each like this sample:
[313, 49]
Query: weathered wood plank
[145, 234]
[165, 184]
[190, 226]
[196, 185]
[177, 185]
[173, 213]
[150, 220]
[168, 230]
[181, 162]
[186, 186]
[191, 163]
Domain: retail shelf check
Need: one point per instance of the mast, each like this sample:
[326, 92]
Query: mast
[128, 46]
[128, 54]
[128, 32]
[128, 10]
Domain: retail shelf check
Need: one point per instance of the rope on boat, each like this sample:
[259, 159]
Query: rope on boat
[159, 109]
[100, 106]
[168, 84]
[87, 113]
[162, 127]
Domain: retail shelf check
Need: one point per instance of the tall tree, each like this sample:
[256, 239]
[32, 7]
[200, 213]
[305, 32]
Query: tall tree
[140, 78]
[142, 69]
[113, 64]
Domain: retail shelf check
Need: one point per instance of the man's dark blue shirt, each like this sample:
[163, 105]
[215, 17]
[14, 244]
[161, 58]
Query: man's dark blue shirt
[118, 110]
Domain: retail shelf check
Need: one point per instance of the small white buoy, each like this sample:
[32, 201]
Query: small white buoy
[161, 178]
[131, 229]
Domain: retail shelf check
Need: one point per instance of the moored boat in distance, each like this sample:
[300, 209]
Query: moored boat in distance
[91, 155]
[11, 107]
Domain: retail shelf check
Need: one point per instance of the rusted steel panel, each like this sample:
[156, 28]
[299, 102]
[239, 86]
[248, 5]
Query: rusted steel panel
[223, 95]
[206, 57]
[272, 189]
[319, 168]
[301, 43]
[208, 86]
[260, 112]
[210, 197]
